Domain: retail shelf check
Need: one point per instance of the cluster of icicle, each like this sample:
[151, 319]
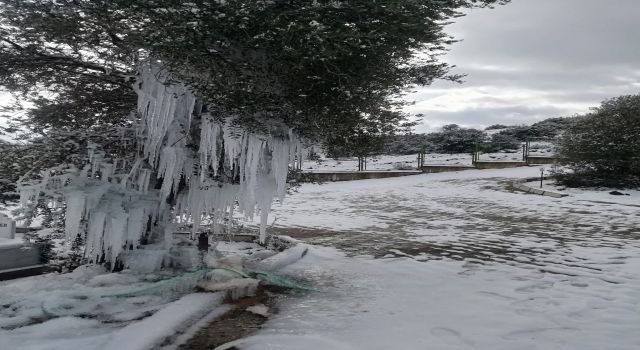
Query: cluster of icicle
[231, 169]
[258, 162]
[108, 200]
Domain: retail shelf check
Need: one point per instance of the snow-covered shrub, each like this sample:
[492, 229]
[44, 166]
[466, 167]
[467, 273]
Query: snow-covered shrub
[403, 166]
[501, 142]
[455, 139]
[603, 146]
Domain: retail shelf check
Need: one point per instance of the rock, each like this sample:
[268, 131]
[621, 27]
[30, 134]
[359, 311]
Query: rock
[235, 288]
[618, 193]
[259, 309]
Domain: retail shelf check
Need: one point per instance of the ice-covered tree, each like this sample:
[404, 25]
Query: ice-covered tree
[224, 89]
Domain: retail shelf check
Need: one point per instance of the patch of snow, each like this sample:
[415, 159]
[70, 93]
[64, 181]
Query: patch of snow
[393, 162]
[259, 309]
[480, 266]
[11, 243]
[164, 324]
[405, 304]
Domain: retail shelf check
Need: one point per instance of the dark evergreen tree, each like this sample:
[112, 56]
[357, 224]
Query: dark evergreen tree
[455, 139]
[501, 142]
[603, 147]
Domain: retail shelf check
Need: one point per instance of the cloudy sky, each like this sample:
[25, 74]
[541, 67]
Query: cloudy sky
[535, 59]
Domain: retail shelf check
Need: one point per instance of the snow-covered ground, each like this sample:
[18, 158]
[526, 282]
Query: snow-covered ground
[86, 310]
[456, 261]
[94, 309]
[11, 242]
[433, 261]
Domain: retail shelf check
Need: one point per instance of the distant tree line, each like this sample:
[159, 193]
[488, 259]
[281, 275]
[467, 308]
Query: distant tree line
[456, 139]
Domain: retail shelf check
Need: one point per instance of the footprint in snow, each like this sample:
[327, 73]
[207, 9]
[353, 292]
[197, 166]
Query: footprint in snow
[449, 335]
[496, 295]
[535, 332]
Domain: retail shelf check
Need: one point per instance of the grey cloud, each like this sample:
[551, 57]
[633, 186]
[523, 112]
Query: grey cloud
[554, 53]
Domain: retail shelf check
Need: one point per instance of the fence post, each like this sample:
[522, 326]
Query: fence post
[476, 154]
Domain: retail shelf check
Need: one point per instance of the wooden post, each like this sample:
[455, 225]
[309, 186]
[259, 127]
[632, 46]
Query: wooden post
[421, 157]
[475, 156]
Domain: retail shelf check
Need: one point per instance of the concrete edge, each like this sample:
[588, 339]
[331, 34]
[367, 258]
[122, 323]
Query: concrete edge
[520, 186]
[20, 272]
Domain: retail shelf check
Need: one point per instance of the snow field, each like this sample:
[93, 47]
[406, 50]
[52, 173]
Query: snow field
[82, 309]
[457, 261]
[401, 303]
[390, 162]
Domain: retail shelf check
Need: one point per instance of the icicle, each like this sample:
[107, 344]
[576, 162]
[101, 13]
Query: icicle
[131, 173]
[76, 202]
[116, 234]
[95, 233]
[144, 176]
[106, 171]
[209, 138]
[136, 225]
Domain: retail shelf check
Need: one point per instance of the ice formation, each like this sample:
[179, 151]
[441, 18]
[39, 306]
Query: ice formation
[206, 167]
[233, 167]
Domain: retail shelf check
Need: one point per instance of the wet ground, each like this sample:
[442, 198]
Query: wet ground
[475, 218]
[457, 261]
[236, 323]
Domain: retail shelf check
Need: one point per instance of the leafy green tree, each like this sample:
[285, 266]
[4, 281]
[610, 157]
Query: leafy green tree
[547, 129]
[603, 146]
[317, 65]
[500, 142]
[370, 137]
[496, 127]
[455, 139]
